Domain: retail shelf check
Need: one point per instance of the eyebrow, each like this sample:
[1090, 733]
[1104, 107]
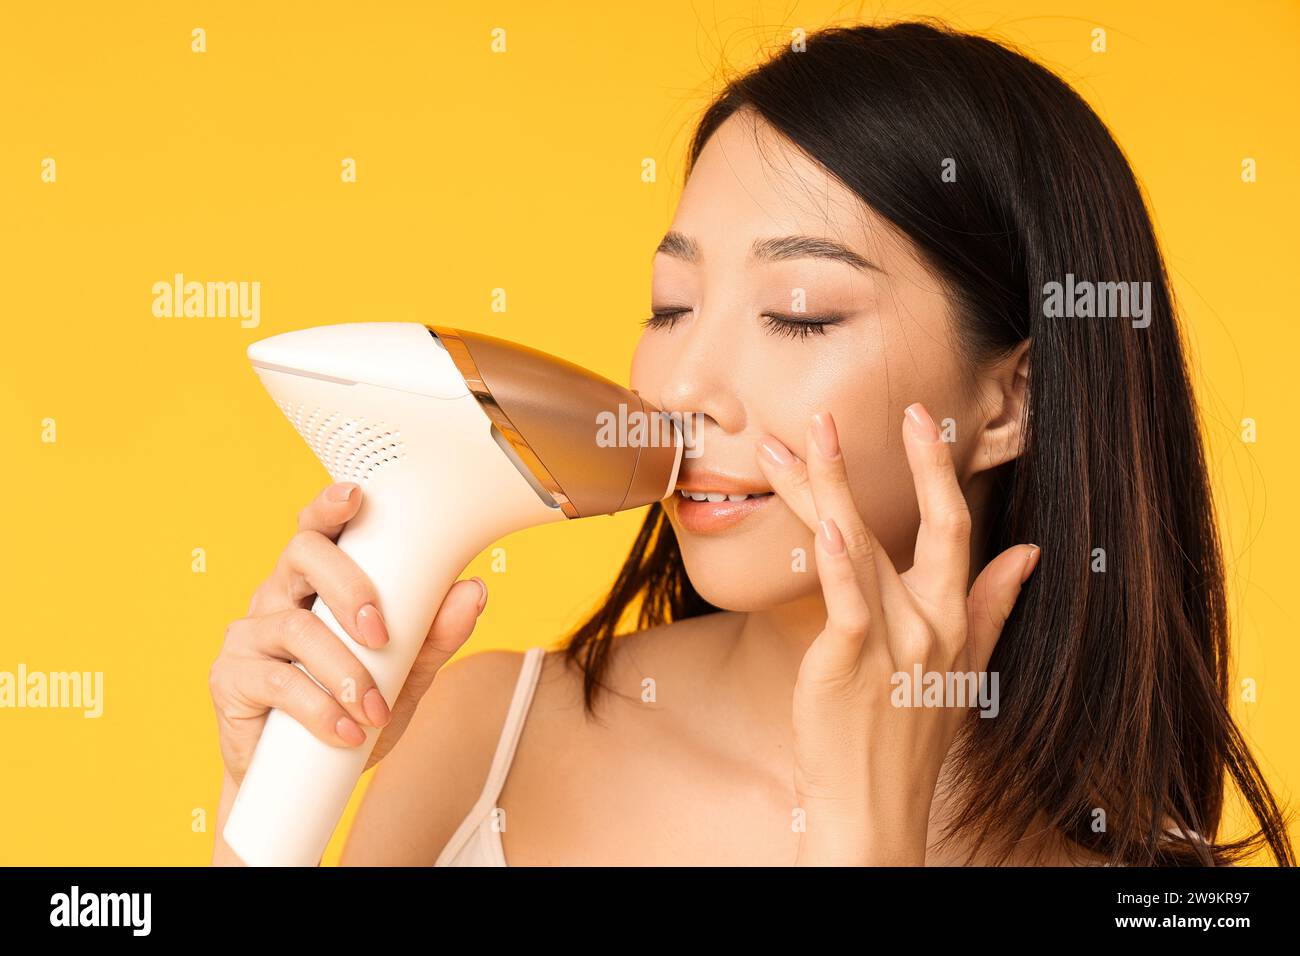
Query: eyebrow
[681, 246]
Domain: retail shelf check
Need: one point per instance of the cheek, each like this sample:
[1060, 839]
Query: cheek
[871, 436]
[882, 482]
[866, 400]
[789, 381]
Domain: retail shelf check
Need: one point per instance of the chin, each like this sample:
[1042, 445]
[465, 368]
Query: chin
[735, 572]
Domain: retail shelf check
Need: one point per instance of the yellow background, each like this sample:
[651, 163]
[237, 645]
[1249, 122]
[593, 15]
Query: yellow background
[475, 171]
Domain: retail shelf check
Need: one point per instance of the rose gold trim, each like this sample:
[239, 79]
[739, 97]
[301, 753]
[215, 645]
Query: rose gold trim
[465, 364]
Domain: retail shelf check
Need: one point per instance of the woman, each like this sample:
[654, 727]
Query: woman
[946, 472]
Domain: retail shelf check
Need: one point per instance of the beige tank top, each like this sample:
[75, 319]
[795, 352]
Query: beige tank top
[477, 841]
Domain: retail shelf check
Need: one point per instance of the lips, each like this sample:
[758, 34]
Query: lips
[707, 502]
[697, 481]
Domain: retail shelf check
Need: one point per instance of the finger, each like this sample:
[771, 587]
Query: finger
[330, 510]
[787, 473]
[299, 635]
[788, 476]
[848, 615]
[992, 598]
[312, 564]
[451, 628]
[941, 568]
[326, 514]
[285, 687]
[833, 496]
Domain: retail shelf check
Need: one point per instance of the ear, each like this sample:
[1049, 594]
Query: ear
[1004, 391]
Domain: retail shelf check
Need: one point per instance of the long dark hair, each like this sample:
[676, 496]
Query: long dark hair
[1115, 685]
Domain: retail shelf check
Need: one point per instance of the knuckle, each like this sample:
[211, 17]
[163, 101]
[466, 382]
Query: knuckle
[797, 479]
[280, 680]
[857, 540]
[321, 711]
[302, 544]
[232, 633]
[954, 521]
[915, 643]
[836, 476]
[299, 542]
[259, 596]
[300, 627]
[854, 622]
[940, 462]
[310, 700]
[356, 589]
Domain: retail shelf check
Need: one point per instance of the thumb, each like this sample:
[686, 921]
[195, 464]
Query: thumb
[451, 628]
[992, 598]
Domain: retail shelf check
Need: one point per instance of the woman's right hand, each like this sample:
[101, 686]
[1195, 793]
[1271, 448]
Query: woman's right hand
[254, 671]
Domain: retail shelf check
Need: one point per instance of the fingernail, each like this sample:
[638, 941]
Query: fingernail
[776, 452]
[342, 491]
[824, 433]
[350, 731]
[482, 600]
[921, 422]
[376, 707]
[831, 537]
[1031, 562]
[371, 625]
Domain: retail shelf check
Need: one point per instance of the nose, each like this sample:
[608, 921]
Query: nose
[699, 380]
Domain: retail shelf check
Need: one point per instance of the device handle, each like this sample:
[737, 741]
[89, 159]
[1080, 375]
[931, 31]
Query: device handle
[297, 787]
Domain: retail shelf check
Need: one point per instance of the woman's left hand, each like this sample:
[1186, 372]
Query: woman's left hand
[866, 769]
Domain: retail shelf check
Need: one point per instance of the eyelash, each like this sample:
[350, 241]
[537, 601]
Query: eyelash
[776, 324]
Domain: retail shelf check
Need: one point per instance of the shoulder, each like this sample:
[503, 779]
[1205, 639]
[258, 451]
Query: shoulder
[474, 675]
[462, 714]
[424, 787]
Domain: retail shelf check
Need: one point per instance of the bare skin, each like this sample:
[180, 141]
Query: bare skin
[670, 783]
[744, 728]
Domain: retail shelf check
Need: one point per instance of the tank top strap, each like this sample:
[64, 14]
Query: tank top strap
[514, 725]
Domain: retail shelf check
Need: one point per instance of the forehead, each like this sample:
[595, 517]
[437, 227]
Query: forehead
[750, 182]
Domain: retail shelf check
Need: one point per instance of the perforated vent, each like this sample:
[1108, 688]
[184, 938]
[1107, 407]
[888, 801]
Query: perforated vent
[351, 449]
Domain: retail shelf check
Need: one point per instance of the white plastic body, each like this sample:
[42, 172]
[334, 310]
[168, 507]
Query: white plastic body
[443, 491]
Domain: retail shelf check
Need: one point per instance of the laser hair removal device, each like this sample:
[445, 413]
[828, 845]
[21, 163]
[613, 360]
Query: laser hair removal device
[457, 439]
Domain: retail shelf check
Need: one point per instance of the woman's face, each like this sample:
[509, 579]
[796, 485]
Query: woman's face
[739, 374]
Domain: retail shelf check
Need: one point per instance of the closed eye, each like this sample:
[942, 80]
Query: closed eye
[801, 327]
[777, 324]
